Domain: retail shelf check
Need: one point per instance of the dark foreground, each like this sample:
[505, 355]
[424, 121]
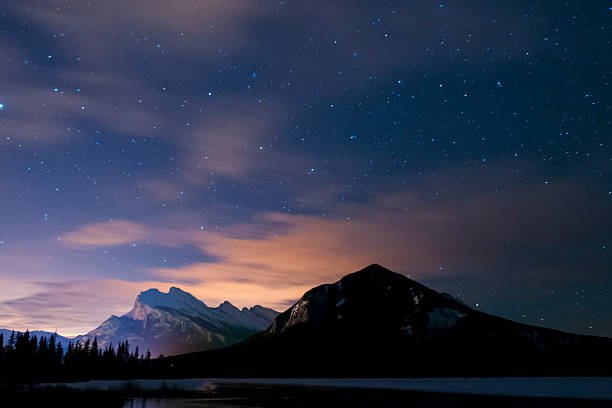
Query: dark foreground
[249, 395]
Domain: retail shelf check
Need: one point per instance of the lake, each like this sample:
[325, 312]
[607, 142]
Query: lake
[350, 392]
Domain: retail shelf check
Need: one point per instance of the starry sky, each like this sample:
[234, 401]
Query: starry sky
[249, 150]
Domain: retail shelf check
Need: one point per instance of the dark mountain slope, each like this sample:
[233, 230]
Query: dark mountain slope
[379, 323]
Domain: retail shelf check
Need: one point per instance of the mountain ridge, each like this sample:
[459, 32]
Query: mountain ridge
[202, 327]
[417, 292]
[375, 322]
[177, 322]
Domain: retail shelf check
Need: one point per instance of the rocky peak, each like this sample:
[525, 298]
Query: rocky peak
[177, 322]
[227, 307]
[373, 296]
[176, 299]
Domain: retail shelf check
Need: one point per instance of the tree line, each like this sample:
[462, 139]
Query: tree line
[26, 358]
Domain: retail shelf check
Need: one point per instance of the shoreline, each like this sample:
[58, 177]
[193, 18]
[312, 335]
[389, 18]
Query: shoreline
[585, 388]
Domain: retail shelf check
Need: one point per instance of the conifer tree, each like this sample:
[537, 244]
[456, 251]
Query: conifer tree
[42, 348]
[52, 350]
[94, 349]
[11, 342]
[59, 353]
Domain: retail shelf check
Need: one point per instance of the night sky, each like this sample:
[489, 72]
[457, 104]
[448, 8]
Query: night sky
[249, 150]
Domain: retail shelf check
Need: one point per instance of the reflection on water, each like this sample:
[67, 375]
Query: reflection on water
[183, 403]
[565, 387]
[352, 392]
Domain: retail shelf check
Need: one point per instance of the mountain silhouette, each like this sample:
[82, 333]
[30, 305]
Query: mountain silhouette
[375, 322]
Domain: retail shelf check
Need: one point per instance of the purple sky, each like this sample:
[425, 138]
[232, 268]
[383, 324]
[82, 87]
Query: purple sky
[249, 150]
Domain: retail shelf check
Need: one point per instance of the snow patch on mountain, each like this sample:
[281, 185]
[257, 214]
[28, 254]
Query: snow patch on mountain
[443, 318]
[178, 322]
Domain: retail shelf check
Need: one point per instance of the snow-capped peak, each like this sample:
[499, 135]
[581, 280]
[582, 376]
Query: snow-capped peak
[175, 299]
[177, 322]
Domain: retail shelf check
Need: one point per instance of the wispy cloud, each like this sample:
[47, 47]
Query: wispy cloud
[274, 258]
[193, 125]
[71, 307]
[105, 234]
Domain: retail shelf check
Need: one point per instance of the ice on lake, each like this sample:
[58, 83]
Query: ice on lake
[551, 387]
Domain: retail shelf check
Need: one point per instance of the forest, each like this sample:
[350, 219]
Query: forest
[26, 358]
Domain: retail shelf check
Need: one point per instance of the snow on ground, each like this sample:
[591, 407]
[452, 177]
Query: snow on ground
[565, 387]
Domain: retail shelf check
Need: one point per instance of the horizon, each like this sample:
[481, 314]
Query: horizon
[250, 150]
[72, 335]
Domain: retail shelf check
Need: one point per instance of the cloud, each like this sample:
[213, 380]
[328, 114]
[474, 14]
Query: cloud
[509, 236]
[71, 307]
[57, 113]
[105, 234]
[535, 235]
[227, 142]
[180, 76]
[280, 256]
[202, 39]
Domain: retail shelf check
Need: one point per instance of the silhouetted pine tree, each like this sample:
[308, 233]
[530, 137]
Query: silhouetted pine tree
[26, 358]
[11, 342]
[93, 352]
[52, 350]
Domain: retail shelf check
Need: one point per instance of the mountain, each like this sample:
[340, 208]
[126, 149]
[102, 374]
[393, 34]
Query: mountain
[375, 322]
[39, 334]
[176, 322]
